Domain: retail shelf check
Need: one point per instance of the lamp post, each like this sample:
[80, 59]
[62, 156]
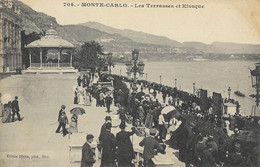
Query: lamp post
[229, 90]
[255, 78]
[175, 82]
[135, 67]
[194, 89]
[129, 65]
[109, 60]
[135, 54]
[141, 68]
[101, 58]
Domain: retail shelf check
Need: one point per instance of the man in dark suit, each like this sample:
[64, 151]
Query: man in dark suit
[103, 129]
[125, 148]
[87, 159]
[150, 146]
[108, 101]
[15, 109]
[61, 110]
[108, 148]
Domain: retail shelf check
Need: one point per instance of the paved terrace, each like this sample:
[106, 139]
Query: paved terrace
[33, 142]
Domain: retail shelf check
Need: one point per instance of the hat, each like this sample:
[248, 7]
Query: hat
[108, 118]
[152, 131]
[122, 126]
[90, 136]
[108, 126]
[63, 106]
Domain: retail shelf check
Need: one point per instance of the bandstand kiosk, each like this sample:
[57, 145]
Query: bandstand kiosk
[50, 54]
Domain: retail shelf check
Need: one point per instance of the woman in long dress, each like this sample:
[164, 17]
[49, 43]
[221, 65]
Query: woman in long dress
[7, 113]
[81, 96]
[87, 98]
[74, 124]
[1, 106]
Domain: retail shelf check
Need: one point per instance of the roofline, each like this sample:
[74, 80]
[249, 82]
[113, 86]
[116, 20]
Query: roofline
[68, 47]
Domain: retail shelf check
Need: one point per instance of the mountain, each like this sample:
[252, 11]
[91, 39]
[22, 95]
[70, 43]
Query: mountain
[137, 36]
[121, 42]
[224, 47]
[215, 47]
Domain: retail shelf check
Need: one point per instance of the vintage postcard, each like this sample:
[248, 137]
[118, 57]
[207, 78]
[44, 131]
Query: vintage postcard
[129, 83]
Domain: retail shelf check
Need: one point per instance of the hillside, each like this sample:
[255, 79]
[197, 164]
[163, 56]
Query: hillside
[121, 42]
[139, 37]
[215, 47]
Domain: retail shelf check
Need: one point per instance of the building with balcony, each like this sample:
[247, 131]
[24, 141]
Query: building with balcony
[10, 37]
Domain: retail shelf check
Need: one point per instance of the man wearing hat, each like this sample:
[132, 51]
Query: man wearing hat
[103, 129]
[108, 101]
[63, 121]
[61, 110]
[108, 143]
[124, 145]
[212, 144]
[150, 146]
[87, 158]
[15, 107]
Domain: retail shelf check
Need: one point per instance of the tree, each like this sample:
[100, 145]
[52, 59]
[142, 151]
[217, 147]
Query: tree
[88, 56]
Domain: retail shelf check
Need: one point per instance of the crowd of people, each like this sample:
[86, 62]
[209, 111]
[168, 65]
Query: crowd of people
[204, 138]
[117, 150]
[9, 110]
[88, 88]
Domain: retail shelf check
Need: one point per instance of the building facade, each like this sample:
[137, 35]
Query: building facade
[10, 37]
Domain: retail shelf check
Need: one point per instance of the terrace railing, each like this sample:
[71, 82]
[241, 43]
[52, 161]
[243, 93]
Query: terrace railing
[50, 65]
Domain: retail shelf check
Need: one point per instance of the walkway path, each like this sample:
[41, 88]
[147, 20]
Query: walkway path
[34, 138]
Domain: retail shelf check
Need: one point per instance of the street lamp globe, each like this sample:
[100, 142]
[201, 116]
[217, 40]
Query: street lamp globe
[135, 54]
[141, 67]
[109, 55]
[128, 67]
[255, 76]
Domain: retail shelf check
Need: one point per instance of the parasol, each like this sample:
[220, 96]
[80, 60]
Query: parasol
[167, 109]
[77, 111]
[6, 98]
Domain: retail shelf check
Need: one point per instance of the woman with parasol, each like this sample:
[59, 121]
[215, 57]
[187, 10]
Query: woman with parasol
[74, 124]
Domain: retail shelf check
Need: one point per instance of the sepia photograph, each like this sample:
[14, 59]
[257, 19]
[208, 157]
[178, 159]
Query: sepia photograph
[129, 83]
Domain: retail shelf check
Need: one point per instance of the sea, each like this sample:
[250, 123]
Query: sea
[214, 76]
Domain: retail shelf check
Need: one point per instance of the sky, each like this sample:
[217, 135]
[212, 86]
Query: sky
[235, 21]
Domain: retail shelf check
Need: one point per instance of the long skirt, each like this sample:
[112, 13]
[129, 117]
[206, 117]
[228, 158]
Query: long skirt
[81, 99]
[149, 121]
[1, 110]
[7, 115]
[75, 100]
[87, 101]
[73, 127]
